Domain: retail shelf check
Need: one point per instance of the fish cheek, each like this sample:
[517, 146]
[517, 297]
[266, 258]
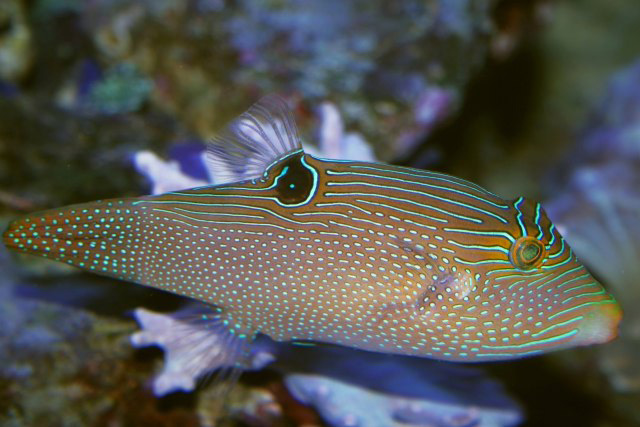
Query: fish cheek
[448, 288]
[439, 293]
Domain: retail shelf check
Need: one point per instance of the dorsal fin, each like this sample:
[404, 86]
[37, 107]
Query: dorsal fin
[253, 141]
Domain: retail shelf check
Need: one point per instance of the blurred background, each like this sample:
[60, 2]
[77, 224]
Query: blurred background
[108, 98]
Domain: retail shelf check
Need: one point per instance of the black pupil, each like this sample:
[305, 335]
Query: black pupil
[294, 182]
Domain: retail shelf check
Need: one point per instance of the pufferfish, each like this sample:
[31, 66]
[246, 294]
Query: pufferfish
[368, 255]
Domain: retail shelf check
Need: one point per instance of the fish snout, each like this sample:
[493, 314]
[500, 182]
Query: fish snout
[599, 324]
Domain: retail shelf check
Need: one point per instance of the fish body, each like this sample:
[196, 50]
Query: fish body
[368, 255]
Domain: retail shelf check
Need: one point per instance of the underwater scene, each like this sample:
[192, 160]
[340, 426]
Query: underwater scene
[319, 213]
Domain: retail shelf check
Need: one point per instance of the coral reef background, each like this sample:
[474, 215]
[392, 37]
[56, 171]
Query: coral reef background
[525, 97]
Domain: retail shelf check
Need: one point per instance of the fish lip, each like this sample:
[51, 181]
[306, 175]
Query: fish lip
[599, 325]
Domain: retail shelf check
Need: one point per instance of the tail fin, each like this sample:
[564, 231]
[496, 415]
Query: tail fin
[98, 236]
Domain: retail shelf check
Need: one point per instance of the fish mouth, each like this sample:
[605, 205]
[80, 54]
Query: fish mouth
[598, 325]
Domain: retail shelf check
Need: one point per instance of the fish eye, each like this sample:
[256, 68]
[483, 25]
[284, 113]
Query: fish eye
[527, 253]
[294, 181]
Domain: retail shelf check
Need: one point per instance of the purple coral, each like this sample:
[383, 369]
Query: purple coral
[164, 175]
[347, 405]
[334, 142]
